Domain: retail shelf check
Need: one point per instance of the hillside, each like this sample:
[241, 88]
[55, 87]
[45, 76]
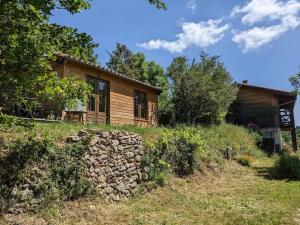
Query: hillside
[224, 192]
[239, 195]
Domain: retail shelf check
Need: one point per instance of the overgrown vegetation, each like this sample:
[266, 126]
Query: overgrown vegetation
[13, 123]
[240, 195]
[184, 150]
[36, 172]
[45, 170]
[288, 165]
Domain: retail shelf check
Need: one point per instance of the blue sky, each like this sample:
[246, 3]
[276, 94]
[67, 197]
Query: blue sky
[258, 40]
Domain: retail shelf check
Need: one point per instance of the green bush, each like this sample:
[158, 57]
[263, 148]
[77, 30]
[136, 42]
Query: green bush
[288, 165]
[36, 172]
[11, 122]
[230, 140]
[245, 160]
[178, 147]
[186, 149]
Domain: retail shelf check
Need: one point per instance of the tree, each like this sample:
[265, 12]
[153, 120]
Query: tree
[123, 60]
[158, 3]
[201, 91]
[27, 44]
[295, 82]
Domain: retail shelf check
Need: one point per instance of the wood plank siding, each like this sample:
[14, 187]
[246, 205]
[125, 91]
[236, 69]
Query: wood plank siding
[120, 96]
[269, 110]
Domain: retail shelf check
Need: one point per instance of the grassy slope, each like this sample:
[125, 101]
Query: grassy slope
[239, 195]
[58, 132]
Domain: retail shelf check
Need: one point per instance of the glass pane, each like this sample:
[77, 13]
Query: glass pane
[102, 96]
[143, 105]
[136, 104]
[91, 103]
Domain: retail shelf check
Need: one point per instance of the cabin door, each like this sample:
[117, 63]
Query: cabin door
[98, 105]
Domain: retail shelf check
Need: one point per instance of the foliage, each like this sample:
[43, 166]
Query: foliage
[202, 91]
[135, 65]
[288, 165]
[229, 140]
[70, 41]
[13, 123]
[245, 160]
[67, 92]
[36, 172]
[27, 45]
[158, 3]
[295, 82]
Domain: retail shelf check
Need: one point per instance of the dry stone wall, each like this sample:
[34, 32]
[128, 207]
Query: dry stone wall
[114, 161]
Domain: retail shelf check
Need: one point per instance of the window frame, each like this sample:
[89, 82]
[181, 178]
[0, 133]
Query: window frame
[105, 96]
[139, 105]
[88, 79]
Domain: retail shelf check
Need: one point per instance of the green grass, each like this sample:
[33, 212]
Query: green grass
[240, 195]
[58, 132]
[237, 195]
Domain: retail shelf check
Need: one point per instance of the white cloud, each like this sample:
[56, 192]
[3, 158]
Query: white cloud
[202, 34]
[259, 10]
[192, 5]
[286, 13]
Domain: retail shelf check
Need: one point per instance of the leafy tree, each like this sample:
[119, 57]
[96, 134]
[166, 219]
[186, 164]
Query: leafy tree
[27, 44]
[122, 60]
[135, 65]
[69, 41]
[295, 81]
[158, 3]
[67, 92]
[201, 91]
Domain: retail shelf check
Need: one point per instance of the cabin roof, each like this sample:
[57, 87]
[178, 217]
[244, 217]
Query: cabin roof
[103, 69]
[285, 97]
[270, 90]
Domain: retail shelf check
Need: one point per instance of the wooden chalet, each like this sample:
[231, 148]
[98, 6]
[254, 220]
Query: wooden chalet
[117, 99]
[268, 110]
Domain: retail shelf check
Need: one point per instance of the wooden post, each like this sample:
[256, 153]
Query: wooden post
[293, 131]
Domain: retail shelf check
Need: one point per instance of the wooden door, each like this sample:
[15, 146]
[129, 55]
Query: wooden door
[98, 104]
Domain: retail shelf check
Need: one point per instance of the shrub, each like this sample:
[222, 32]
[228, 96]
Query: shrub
[180, 150]
[12, 122]
[288, 165]
[155, 167]
[178, 147]
[185, 149]
[36, 172]
[245, 160]
[229, 140]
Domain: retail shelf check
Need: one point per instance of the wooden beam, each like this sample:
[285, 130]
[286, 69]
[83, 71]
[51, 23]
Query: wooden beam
[293, 132]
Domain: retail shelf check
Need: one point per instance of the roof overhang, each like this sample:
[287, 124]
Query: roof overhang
[285, 98]
[65, 57]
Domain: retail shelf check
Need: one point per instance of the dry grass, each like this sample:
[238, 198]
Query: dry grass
[238, 195]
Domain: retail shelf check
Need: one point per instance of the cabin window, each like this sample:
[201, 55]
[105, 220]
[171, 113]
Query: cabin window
[92, 102]
[140, 105]
[102, 95]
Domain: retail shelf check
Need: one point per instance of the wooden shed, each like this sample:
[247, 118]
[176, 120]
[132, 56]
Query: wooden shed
[117, 99]
[268, 110]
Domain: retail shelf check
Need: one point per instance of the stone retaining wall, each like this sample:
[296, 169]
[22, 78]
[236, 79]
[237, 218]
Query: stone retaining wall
[114, 161]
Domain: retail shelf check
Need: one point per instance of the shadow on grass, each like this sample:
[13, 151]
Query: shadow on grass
[271, 173]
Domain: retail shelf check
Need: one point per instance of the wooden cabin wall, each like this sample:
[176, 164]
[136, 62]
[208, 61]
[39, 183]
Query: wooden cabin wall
[121, 97]
[251, 99]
